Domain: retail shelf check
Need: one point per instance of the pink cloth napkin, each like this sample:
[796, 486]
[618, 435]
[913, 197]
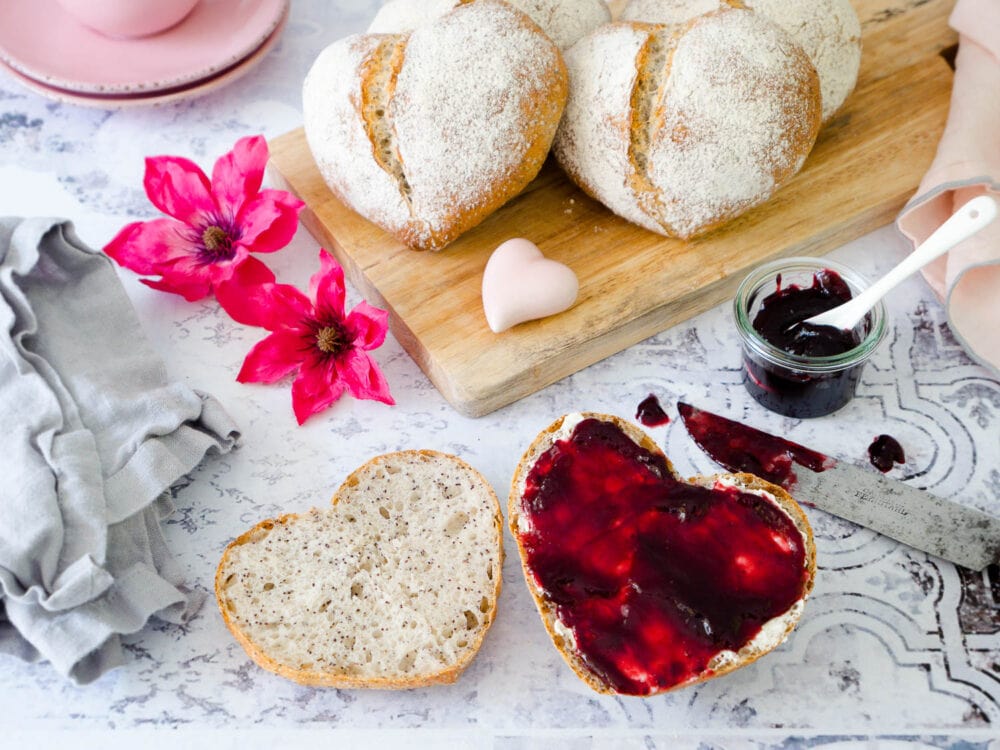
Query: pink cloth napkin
[967, 164]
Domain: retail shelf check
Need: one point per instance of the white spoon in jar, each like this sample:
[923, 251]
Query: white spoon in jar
[969, 219]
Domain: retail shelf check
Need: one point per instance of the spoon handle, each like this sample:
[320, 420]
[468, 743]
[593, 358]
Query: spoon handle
[969, 219]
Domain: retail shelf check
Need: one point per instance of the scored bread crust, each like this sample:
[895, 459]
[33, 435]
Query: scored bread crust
[565, 21]
[680, 128]
[748, 482]
[828, 31]
[387, 118]
[337, 679]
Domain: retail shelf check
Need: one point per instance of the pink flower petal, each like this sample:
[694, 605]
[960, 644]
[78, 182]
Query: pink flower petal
[141, 245]
[362, 377]
[158, 248]
[191, 289]
[178, 187]
[272, 358]
[252, 301]
[244, 304]
[237, 175]
[326, 286]
[368, 326]
[183, 275]
[222, 271]
[314, 390]
[269, 221]
[253, 272]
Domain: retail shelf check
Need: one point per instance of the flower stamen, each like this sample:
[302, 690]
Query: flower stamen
[331, 340]
[216, 240]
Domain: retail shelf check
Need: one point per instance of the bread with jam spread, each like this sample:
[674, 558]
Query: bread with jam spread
[640, 578]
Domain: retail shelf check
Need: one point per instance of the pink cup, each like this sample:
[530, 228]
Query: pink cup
[128, 18]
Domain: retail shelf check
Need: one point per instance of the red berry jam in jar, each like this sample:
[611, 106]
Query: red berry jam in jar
[801, 370]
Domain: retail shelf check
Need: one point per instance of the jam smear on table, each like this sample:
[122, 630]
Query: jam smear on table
[741, 448]
[779, 318]
[884, 452]
[653, 576]
[650, 412]
[783, 389]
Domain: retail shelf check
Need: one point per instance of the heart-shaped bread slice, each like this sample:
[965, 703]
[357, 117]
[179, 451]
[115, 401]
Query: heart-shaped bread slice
[646, 582]
[521, 284]
[394, 586]
[680, 128]
[428, 133]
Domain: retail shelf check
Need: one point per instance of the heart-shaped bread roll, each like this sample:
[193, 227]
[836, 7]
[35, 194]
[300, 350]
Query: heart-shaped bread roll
[428, 133]
[565, 21]
[646, 582]
[394, 586]
[829, 32]
[682, 128]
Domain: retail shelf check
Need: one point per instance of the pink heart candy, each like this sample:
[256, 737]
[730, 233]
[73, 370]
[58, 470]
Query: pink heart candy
[521, 284]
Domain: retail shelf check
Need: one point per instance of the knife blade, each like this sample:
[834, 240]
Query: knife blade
[944, 528]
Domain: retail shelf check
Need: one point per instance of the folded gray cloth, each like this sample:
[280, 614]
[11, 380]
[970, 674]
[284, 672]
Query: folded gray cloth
[93, 436]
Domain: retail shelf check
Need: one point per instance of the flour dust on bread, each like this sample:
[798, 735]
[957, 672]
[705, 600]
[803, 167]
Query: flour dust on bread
[565, 21]
[828, 31]
[619, 628]
[428, 133]
[681, 128]
[394, 586]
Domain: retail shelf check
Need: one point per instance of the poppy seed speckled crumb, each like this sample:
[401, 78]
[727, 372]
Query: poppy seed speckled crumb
[314, 596]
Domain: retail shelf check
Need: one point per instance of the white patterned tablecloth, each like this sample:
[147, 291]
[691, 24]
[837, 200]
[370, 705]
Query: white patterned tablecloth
[894, 648]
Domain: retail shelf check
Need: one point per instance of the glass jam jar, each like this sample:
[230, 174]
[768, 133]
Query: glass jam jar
[801, 385]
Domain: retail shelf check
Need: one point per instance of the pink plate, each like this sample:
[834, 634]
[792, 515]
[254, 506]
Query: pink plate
[153, 98]
[41, 41]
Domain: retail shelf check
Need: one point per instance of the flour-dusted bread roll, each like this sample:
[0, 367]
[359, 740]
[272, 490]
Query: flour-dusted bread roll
[646, 582]
[565, 21]
[394, 586]
[426, 134]
[680, 128]
[827, 30]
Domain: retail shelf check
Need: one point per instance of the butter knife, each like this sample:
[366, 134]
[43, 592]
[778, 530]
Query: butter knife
[963, 535]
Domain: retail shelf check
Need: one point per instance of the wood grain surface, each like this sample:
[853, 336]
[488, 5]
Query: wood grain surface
[866, 164]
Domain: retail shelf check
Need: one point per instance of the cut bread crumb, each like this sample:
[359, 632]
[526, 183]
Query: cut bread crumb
[394, 586]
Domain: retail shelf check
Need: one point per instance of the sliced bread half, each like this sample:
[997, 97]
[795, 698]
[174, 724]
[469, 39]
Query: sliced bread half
[394, 586]
[646, 582]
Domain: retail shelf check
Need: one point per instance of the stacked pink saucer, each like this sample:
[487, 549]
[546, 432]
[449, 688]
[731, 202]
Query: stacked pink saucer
[49, 50]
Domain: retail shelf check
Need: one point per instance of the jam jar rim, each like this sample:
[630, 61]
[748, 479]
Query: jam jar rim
[804, 363]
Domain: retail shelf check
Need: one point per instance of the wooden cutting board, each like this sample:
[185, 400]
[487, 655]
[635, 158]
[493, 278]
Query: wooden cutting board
[633, 283]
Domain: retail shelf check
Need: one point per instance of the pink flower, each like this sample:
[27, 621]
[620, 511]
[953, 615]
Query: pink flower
[315, 337]
[215, 226]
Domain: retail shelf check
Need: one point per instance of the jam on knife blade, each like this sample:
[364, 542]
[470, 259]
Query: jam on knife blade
[742, 448]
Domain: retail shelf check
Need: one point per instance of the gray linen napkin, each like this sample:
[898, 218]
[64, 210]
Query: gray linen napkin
[92, 436]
